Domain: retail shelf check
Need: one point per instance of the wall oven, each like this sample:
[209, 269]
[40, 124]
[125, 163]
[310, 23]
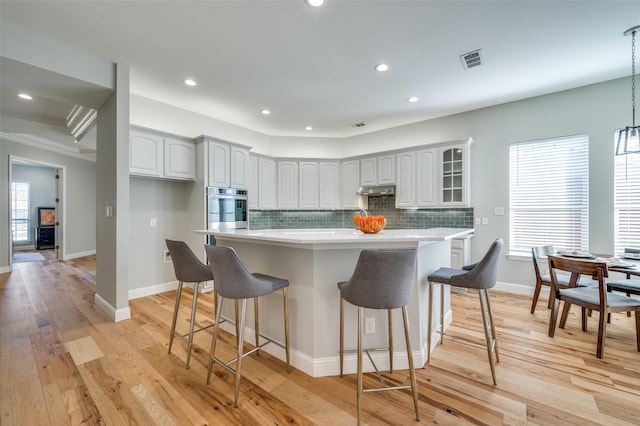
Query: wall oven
[226, 208]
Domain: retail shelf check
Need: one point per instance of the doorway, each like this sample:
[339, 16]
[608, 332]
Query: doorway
[36, 210]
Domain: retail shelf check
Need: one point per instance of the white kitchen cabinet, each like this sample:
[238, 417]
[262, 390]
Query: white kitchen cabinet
[416, 179]
[350, 182]
[239, 167]
[426, 178]
[146, 153]
[267, 186]
[160, 156]
[329, 184]
[378, 170]
[219, 170]
[253, 182]
[369, 171]
[454, 175]
[386, 172]
[179, 159]
[460, 256]
[308, 185]
[287, 185]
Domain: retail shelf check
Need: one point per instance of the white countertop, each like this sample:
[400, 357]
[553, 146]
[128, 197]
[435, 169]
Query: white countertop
[341, 235]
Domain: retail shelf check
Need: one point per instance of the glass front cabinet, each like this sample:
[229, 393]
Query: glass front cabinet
[454, 175]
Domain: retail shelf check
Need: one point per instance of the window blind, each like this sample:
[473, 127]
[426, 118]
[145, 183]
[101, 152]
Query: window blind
[626, 202]
[549, 194]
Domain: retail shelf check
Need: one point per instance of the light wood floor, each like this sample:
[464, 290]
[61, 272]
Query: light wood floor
[62, 362]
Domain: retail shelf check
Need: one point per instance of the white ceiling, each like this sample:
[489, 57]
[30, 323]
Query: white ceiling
[314, 66]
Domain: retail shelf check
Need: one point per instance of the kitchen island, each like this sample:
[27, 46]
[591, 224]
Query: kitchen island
[314, 261]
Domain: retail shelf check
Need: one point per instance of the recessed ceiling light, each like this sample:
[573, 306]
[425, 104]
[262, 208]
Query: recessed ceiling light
[314, 3]
[308, 128]
[265, 112]
[381, 67]
[189, 82]
[412, 99]
[25, 96]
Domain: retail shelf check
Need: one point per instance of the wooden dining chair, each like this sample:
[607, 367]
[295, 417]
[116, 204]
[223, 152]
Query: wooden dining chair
[537, 255]
[588, 298]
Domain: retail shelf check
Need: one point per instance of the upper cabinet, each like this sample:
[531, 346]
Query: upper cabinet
[227, 164]
[433, 177]
[378, 170]
[287, 184]
[350, 182]
[454, 175]
[267, 186]
[153, 154]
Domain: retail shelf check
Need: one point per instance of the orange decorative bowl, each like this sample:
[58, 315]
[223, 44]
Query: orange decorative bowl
[370, 224]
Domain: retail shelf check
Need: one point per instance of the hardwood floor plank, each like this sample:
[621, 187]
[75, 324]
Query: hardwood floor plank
[63, 362]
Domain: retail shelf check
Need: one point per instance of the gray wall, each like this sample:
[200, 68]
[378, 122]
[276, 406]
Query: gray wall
[80, 213]
[42, 191]
[166, 202]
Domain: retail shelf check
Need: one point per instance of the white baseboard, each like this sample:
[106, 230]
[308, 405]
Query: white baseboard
[523, 289]
[114, 314]
[78, 254]
[5, 269]
[137, 293]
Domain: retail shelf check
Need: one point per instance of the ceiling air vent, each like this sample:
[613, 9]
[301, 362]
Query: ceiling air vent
[471, 59]
[361, 124]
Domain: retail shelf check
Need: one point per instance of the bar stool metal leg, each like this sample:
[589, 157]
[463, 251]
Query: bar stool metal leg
[390, 340]
[359, 375]
[429, 322]
[214, 340]
[175, 315]
[488, 338]
[194, 304]
[341, 337]
[412, 372]
[243, 311]
[256, 321]
[286, 325]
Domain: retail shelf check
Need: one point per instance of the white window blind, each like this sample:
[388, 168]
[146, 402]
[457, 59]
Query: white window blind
[626, 202]
[549, 194]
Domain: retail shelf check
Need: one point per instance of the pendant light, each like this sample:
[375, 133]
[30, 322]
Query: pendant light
[629, 137]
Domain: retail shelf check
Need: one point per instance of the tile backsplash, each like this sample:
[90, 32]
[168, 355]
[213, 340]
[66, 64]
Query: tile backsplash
[385, 205]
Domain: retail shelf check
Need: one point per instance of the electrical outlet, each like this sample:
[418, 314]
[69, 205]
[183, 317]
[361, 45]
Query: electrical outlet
[369, 325]
[166, 256]
[153, 222]
[478, 221]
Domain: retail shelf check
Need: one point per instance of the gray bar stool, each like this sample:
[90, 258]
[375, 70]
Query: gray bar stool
[382, 279]
[481, 276]
[188, 269]
[233, 281]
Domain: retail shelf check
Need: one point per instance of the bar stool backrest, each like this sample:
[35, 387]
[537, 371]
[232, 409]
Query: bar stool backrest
[232, 279]
[188, 268]
[484, 273]
[382, 279]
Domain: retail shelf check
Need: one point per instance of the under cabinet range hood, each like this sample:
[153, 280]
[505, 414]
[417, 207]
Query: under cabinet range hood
[376, 190]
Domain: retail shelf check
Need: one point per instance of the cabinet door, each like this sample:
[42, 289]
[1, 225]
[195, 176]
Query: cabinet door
[350, 183]
[452, 175]
[267, 177]
[146, 153]
[426, 176]
[287, 184]
[406, 179]
[368, 171]
[179, 159]
[239, 158]
[308, 185]
[252, 182]
[329, 189]
[386, 169]
[219, 164]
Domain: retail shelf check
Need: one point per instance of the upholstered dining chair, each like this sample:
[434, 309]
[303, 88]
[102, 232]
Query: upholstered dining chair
[188, 269]
[382, 279]
[539, 254]
[480, 276]
[588, 298]
[233, 281]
